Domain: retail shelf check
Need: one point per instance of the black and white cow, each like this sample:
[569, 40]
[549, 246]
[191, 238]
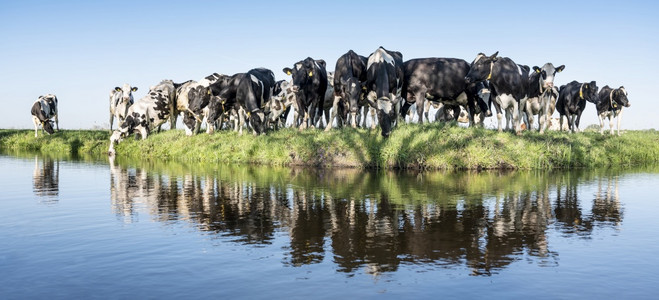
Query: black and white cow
[143, 117]
[121, 98]
[572, 99]
[610, 106]
[281, 103]
[168, 88]
[508, 83]
[223, 101]
[191, 99]
[310, 83]
[349, 79]
[541, 95]
[441, 80]
[384, 81]
[43, 110]
[254, 91]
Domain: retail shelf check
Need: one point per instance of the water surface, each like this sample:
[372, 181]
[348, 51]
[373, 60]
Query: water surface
[123, 229]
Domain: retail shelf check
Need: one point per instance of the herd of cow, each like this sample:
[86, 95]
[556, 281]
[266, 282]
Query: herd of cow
[381, 85]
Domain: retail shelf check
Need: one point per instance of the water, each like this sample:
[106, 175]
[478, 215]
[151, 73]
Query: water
[74, 229]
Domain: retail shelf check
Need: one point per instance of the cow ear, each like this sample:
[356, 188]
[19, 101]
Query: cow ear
[134, 89]
[287, 71]
[536, 69]
[118, 89]
[321, 62]
[593, 84]
[494, 56]
[560, 68]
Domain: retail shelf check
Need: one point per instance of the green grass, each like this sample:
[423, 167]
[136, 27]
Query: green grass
[428, 146]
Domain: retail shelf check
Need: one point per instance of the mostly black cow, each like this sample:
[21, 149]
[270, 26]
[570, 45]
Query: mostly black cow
[610, 106]
[254, 91]
[309, 83]
[43, 110]
[508, 83]
[384, 81]
[223, 101]
[349, 79]
[121, 98]
[145, 115]
[572, 99]
[441, 80]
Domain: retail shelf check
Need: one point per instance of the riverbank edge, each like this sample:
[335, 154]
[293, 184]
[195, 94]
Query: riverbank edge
[432, 146]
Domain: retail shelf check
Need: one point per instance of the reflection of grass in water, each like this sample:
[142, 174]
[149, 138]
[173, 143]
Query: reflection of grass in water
[427, 146]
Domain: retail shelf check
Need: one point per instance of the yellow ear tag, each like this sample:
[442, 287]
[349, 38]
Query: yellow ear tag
[249, 114]
[310, 74]
[537, 71]
[288, 72]
[209, 92]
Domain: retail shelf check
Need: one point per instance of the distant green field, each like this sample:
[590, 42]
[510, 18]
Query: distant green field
[427, 146]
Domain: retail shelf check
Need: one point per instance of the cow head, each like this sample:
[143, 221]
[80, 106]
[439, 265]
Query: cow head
[619, 95]
[257, 120]
[386, 115]
[126, 93]
[481, 68]
[198, 98]
[588, 91]
[351, 91]
[304, 72]
[48, 126]
[547, 74]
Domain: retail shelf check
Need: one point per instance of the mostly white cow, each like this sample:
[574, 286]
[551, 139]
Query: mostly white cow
[143, 117]
[121, 98]
[43, 110]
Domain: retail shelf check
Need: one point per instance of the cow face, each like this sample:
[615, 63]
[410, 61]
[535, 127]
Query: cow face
[303, 72]
[48, 126]
[481, 68]
[547, 74]
[386, 115]
[620, 96]
[198, 98]
[126, 93]
[257, 119]
[588, 91]
[351, 91]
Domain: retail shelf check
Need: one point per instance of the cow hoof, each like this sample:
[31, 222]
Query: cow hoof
[328, 128]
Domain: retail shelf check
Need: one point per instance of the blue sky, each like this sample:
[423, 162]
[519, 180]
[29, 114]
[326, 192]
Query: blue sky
[80, 50]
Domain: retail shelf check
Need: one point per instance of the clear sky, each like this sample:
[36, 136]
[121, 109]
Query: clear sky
[80, 50]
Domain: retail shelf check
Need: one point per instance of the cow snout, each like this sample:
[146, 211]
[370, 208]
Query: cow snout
[628, 105]
[548, 85]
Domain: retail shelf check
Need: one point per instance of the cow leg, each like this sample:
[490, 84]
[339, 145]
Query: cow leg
[335, 108]
[56, 122]
[426, 110]
[35, 120]
[373, 113]
[420, 99]
[172, 117]
[601, 119]
[241, 122]
[516, 118]
[111, 120]
[619, 117]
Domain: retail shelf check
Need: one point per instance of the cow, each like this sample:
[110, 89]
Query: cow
[168, 88]
[43, 110]
[254, 91]
[610, 106]
[223, 101]
[121, 98]
[384, 81]
[349, 79]
[508, 82]
[309, 79]
[541, 95]
[441, 80]
[572, 99]
[191, 99]
[145, 115]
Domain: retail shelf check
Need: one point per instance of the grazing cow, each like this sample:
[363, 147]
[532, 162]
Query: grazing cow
[254, 91]
[310, 83]
[384, 81]
[283, 98]
[121, 98]
[349, 79]
[223, 100]
[44, 109]
[572, 99]
[610, 106]
[441, 80]
[541, 95]
[508, 83]
[191, 99]
[145, 115]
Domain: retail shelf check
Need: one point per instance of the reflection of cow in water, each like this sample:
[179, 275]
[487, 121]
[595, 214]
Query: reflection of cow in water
[375, 232]
[45, 179]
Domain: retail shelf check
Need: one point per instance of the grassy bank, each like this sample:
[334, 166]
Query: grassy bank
[428, 146]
